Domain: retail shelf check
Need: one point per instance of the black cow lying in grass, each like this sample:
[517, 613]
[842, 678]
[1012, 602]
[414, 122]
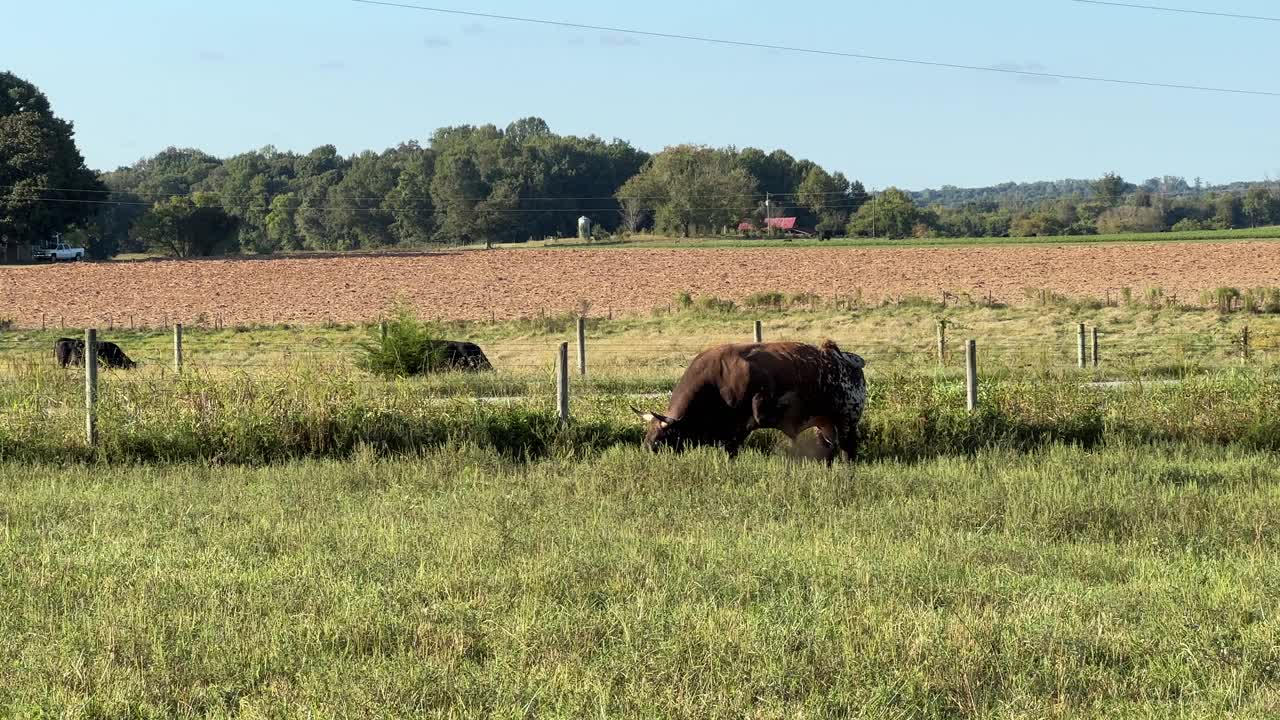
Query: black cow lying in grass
[70, 351]
[459, 355]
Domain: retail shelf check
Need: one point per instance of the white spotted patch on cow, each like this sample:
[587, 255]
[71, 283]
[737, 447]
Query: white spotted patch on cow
[851, 383]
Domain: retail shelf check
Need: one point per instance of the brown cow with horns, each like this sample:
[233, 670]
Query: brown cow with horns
[731, 390]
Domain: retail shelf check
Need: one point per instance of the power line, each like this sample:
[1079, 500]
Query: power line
[1186, 11]
[828, 53]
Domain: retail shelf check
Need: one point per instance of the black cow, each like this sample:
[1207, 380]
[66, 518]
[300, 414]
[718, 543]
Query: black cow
[70, 351]
[730, 391]
[458, 355]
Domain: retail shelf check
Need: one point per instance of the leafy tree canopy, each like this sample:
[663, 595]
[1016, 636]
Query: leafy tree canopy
[44, 185]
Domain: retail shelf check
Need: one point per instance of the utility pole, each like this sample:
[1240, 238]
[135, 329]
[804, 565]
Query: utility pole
[875, 215]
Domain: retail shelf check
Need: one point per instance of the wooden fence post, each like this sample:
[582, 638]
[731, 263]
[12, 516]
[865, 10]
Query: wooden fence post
[582, 346]
[562, 383]
[971, 375]
[1082, 354]
[382, 332]
[759, 331]
[177, 347]
[1244, 341]
[942, 342]
[1096, 359]
[91, 386]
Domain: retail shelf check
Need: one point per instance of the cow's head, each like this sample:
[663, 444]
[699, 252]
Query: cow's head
[661, 432]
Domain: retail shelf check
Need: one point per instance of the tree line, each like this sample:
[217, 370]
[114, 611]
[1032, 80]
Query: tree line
[521, 182]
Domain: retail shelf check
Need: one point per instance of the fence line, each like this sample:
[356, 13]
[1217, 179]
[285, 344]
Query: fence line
[661, 355]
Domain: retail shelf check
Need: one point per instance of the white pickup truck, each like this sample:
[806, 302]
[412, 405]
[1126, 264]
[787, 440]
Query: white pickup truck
[58, 251]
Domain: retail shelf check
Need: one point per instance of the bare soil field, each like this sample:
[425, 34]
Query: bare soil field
[515, 283]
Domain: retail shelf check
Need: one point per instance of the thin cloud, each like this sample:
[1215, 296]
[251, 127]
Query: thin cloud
[473, 29]
[212, 56]
[331, 66]
[435, 42]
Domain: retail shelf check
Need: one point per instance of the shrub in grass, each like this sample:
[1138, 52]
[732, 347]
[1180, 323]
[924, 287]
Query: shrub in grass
[1223, 299]
[765, 301]
[410, 347]
[714, 305]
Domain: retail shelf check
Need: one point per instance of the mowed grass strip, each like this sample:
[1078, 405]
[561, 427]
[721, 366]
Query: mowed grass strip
[1133, 582]
[732, 241]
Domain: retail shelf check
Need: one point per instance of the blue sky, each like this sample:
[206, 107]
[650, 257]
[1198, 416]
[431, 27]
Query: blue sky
[138, 76]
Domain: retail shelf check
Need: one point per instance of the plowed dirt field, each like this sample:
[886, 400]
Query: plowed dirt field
[514, 283]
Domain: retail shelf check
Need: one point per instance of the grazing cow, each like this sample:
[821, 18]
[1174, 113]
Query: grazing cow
[457, 355]
[70, 351]
[729, 391]
[110, 355]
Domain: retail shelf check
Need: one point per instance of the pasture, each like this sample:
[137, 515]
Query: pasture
[275, 533]
[1134, 581]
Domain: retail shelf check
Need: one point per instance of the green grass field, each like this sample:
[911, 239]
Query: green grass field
[276, 533]
[1135, 581]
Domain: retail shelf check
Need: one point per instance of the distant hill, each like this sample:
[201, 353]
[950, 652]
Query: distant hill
[1004, 193]
[1030, 193]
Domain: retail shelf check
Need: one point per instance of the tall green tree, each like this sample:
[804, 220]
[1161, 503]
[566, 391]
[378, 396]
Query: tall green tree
[1261, 206]
[828, 197]
[282, 228]
[690, 187]
[185, 227]
[1110, 189]
[457, 189]
[892, 214]
[409, 202]
[1228, 211]
[38, 153]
